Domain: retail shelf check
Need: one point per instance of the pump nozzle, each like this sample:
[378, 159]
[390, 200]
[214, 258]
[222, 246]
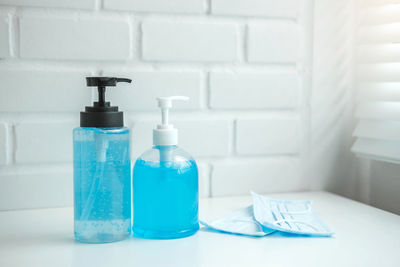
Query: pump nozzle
[165, 134]
[105, 81]
[165, 103]
[101, 83]
[102, 114]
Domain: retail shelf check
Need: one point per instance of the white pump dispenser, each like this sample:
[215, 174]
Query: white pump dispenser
[165, 134]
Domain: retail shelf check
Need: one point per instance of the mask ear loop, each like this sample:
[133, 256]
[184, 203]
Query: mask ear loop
[278, 223]
[307, 210]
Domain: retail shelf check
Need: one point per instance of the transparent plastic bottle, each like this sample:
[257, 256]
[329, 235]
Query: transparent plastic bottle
[102, 184]
[165, 194]
[102, 171]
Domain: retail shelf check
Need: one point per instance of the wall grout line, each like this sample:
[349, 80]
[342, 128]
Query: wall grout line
[208, 89]
[13, 141]
[98, 5]
[234, 138]
[13, 34]
[210, 177]
[208, 6]
[245, 43]
[306, 68]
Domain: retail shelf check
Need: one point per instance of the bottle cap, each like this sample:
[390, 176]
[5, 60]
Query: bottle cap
[165, 134]
[102, 114]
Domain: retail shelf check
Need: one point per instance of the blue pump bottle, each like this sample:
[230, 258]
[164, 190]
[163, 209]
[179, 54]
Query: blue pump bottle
[102, 171]
[165, 185]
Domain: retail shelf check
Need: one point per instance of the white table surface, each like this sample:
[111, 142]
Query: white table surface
[364, 236]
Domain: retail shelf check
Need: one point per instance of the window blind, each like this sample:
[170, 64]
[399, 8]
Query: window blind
[378, 81]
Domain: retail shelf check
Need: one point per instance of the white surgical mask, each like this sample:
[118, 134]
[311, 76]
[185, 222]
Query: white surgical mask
[241, 222]
[297, 217]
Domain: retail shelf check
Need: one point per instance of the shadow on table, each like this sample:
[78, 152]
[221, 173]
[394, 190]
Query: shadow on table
[276, 234]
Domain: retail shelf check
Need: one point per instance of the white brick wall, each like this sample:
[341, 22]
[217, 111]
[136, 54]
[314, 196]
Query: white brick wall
[267, 8]
[269, 175]
[34, 189]
[250, 90]
[247, 119]
[82, 4]
[162, 6]
[267, 136]
[189, 41]
[75, 39]
[25, 89]
[281, 37]
[43, 142]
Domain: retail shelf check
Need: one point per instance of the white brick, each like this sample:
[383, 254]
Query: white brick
[82, 4]
[174, 41]
[3, 144]
[199, 138]
[36, 190]
[4, 37]
[267, 136]
[254, 90]
[79, 39]
[204, 138]
[265, 176]
[44, 142]
[204, 181]
[273, 42]
[24, 91]
[171, 6]
[147, 85]
[268, 8]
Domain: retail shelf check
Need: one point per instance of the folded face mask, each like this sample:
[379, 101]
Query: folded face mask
[240, 223]
[297, 217]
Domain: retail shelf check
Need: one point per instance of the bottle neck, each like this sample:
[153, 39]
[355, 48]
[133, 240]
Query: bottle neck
[165, 137]
[164, 147]
[166, 152]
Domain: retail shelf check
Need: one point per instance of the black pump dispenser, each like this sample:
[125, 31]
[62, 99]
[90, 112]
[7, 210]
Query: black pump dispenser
[102, 114]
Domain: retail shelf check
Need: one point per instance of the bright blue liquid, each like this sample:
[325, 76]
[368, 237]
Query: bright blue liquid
[102, 185]
[165, 199]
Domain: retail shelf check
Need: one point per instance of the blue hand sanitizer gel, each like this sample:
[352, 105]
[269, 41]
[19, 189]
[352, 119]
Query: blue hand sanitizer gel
[102, 171]
[165, 185]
